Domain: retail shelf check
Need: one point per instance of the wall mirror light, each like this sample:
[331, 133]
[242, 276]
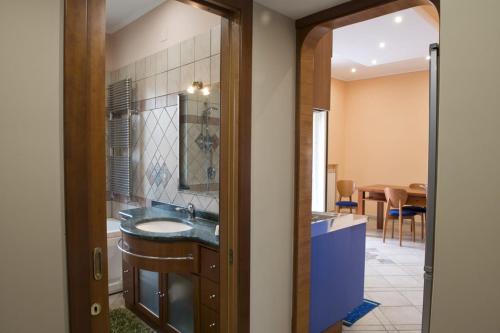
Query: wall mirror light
[199, 139]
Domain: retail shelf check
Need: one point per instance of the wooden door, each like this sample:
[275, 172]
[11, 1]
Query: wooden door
[84, 165]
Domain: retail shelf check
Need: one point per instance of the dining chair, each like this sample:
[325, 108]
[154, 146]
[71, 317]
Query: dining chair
[421, 210]
[345, 189]
[396, 199]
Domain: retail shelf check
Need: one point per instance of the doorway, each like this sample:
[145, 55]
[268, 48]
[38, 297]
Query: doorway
[85, 163]
[310, 31]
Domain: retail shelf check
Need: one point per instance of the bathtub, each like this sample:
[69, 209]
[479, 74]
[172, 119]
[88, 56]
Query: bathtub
[114, 256]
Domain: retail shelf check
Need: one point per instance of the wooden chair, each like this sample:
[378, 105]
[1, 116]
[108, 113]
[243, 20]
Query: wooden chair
[420, 210]
[396, 199]
[346, 189]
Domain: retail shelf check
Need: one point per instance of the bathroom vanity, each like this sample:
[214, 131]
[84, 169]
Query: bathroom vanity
[171, 279]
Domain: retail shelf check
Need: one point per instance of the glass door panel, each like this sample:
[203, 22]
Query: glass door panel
[149, 291]
[180, 302]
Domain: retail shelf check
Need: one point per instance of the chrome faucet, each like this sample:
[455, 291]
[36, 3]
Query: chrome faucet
[189, 210]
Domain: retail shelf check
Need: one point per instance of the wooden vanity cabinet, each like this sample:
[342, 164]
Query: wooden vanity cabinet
[182, 296]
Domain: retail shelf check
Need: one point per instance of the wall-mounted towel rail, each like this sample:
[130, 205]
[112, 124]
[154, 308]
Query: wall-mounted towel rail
[119, 113]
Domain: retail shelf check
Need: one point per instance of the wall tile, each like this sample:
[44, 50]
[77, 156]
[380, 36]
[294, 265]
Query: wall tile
[202, 71]
[150, 66]
[161, 84]
[172, 100]
[215, 38]
[115, 76]
[173, 80]
[140, 69]
[127, 72]
[174, 56]
[187, 51]
[202, 46]
[146, 88]
[161, 59]
[187, 76]
[215, 69]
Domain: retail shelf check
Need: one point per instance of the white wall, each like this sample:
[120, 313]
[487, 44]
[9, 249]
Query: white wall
[467, 263]
[33, 272]
[273, 110]
[159, 29]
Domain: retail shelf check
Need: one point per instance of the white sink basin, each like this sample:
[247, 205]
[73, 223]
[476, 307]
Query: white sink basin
[163, 226]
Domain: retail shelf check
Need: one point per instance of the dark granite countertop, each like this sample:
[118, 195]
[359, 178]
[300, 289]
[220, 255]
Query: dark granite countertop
[203, 231]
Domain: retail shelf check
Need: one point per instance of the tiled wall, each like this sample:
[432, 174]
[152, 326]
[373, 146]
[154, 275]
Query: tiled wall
[158, 79]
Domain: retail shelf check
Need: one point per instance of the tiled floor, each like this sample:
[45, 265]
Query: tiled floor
[394, 278]
[116, 301]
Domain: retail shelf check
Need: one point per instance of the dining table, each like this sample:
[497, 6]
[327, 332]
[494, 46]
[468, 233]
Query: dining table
[375, 193]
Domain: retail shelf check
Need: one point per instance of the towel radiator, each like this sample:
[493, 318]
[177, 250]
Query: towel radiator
[119, 107]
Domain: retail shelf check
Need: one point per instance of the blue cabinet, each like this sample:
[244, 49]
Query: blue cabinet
[337, 274]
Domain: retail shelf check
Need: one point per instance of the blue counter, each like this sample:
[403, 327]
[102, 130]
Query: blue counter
[337, 269]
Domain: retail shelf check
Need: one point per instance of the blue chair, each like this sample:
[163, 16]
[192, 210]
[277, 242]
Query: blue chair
[345, 189]
[396, 199]
[420, 210]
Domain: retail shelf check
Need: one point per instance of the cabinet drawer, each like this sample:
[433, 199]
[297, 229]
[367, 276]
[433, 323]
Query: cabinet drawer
[209, 320]
[209, 294]
[210, 264]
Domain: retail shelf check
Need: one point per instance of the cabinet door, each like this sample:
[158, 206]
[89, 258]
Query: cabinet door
[209, 320]
[181, 302]
[149, 294]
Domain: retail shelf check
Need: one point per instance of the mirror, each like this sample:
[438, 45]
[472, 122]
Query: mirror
[199, 139]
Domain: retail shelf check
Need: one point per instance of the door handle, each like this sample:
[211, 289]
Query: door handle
[97, 258]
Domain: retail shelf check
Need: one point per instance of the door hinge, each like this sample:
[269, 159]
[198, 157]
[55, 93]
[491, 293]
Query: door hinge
[230, 256]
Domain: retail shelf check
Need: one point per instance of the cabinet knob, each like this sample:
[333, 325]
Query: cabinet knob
[212, 266]
[211, 325]
[125, 271]
[125, 291]
[211, 296]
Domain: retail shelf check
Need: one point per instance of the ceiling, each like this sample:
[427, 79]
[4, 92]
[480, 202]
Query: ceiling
[119, 13]
[406, 45]
[296, 9]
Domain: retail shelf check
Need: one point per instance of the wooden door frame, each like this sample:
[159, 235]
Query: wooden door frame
[310, 30]
[84, 160]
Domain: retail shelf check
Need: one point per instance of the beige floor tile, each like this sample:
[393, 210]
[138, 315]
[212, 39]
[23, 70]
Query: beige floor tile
[403, 281]
[415, 297]
[116, 301]
[402, 315]
[388, 298]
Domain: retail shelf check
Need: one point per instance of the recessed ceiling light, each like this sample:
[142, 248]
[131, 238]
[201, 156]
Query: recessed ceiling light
[353, 70]
[381, 45]
[374, 61]
[398, 19]
[428, 57]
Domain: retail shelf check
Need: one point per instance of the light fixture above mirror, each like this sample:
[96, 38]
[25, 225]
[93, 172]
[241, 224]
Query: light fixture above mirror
[198, 86]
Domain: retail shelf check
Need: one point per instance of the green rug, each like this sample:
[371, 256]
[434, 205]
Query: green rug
[124, 321]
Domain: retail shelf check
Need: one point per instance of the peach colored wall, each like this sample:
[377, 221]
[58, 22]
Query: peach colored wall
[385, 130]
[157, 30]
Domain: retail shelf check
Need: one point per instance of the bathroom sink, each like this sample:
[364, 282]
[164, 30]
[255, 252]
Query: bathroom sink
[163, 226]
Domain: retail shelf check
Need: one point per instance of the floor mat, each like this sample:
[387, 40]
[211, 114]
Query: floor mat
[124, 321]
[359, 312]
